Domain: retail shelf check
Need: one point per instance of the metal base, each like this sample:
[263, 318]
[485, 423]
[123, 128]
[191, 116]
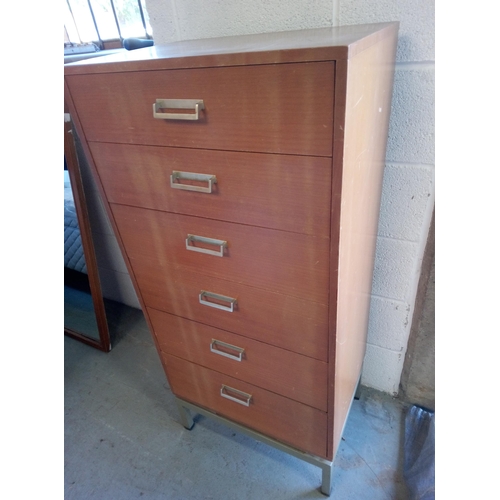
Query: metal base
[325, 465]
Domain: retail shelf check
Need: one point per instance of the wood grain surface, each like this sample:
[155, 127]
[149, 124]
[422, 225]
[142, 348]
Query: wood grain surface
[281, 418]
[363, 108]
[276, 319]
[288, 263]
[284, 372]
[285, 192]
[271, 108]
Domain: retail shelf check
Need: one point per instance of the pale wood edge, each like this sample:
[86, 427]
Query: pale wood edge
[338, 152]
[343, 377]
[390, 30]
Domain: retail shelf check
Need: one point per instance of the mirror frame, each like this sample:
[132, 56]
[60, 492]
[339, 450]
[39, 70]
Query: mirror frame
[73, 166]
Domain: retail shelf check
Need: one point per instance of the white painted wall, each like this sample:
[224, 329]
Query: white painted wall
[408, 194]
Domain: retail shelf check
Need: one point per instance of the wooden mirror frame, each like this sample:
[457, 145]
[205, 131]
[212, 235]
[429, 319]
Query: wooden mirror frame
[73, 166]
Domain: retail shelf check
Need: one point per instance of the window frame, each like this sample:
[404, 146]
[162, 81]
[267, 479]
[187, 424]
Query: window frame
[106, 43]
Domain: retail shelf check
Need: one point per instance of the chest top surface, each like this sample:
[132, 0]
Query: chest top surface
[319, 44]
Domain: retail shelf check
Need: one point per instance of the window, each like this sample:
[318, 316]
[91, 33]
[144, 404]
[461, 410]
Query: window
[105, 23]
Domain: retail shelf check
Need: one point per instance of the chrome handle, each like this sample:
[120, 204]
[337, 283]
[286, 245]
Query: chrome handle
[185, 104]
[246, 398]
[216, 296]
[239, 350]
[208, 241]
[211, 179]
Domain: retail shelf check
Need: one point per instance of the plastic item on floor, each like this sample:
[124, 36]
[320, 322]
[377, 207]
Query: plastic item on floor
[419, 454]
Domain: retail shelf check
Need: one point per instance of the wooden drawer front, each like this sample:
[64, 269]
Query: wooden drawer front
[283, 419]
[275, 191]
[283, 108]
[280, 320]
[277, 370]
[289, 263]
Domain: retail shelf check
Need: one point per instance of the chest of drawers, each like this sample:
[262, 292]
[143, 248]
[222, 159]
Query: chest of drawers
[242, 177]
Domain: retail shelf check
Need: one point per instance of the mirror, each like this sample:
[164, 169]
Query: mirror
[84, 311]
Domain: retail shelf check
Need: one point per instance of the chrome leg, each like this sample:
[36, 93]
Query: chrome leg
[325, 465]
[326, 479]
[186, 419]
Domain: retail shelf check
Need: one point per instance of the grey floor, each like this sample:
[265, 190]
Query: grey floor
[123, 439]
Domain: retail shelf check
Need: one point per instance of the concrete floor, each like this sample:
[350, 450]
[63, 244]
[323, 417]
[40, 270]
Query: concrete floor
[123, 439]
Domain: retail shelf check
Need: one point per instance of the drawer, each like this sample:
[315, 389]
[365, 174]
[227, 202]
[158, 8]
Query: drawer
[278, 108]
[275, 191]
[277, 370]
[279, 320]
[289, 263]
[283, 419]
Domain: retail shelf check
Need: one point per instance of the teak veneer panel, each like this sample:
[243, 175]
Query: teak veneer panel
[271, 109]
[268, 190]
[281, 320]
[294, 423]
[277, 370]
[289, 263]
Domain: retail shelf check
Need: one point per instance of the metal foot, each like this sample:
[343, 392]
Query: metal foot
[326, 479]
[186, 419]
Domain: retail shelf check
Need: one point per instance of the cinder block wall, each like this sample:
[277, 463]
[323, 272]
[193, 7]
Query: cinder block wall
[408, 194]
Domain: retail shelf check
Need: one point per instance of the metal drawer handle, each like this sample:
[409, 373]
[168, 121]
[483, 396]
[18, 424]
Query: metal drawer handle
[216, 296]
[176, 175]
[243, 399]
[192, 238]
[239, 350]
[185, 104]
